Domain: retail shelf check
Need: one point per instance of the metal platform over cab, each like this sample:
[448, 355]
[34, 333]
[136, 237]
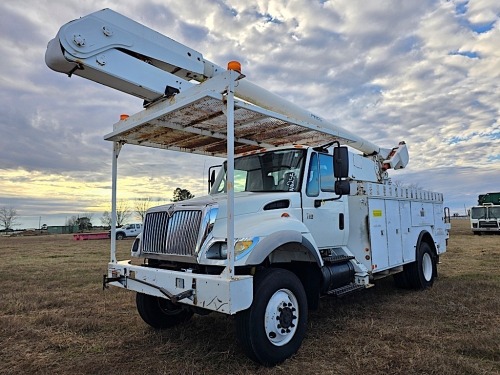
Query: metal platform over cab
[195, 121]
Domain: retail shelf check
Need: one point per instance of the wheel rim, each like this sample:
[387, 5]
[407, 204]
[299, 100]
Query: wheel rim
[427, 266]
[167, 308]
[281, 318]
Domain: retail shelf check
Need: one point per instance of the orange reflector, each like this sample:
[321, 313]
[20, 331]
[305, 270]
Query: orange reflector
[124, 117]
[234, 65]
[284, 214]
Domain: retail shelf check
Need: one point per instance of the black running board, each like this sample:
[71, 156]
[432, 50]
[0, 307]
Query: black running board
[346, 289]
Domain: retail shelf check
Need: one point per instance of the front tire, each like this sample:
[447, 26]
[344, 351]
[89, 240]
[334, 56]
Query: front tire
[160, 313]
[120, 236]
[273, 328]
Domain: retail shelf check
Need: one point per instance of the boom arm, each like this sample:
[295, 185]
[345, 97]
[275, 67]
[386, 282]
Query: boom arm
[118, 52]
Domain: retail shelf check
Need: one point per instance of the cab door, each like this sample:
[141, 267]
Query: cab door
[132, 230]
[326, 220]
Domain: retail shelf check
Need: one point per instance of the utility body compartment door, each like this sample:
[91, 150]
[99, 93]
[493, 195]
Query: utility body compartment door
[388, 232]
[408, 242]
[394, 233]
[378, 234]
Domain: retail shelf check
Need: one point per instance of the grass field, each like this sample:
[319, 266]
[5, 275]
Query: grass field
[56, 319]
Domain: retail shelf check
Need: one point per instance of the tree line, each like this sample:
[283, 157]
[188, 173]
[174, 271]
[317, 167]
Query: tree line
[9, 216]
[141, 206]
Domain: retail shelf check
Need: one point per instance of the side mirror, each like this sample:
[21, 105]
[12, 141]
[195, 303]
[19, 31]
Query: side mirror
[211, 176]
[342, 187]
[341, 162]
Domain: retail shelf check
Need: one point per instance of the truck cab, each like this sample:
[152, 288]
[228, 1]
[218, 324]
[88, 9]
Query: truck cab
[282, 196]
[485, 219]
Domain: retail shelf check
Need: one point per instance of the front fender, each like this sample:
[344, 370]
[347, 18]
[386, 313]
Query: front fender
[268, 244]
[272, 230]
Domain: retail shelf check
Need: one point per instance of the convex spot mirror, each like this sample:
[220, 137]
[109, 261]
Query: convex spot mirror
[342, 187]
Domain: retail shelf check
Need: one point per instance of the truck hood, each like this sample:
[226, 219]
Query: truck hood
[244, 202]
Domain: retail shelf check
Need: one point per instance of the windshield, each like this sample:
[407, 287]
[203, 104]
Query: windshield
[478, 213]
[279, 170]
[494, 212]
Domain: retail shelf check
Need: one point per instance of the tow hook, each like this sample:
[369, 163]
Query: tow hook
[106, 280]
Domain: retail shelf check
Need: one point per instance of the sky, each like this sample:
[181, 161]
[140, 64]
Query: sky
[426, 72]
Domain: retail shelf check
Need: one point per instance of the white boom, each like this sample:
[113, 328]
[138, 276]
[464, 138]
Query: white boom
[111, 49]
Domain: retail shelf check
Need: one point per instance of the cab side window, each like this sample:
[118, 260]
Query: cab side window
[326, 172]
[312, 187]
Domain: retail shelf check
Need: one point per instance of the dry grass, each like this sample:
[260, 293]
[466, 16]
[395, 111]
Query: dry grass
[55, 319]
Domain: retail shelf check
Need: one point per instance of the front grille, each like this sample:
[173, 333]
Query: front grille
[488, 224]
[175, 235]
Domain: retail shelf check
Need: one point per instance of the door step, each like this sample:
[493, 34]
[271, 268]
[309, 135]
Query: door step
[337, 259]
[346, 289]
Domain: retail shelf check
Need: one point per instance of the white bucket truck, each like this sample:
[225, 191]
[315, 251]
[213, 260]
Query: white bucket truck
[293, 215]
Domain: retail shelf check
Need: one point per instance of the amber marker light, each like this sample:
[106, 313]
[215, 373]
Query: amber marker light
[124, 117]
[234, 65]
[284, 214]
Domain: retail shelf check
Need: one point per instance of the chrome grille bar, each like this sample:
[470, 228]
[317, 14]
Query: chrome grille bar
[176, 235]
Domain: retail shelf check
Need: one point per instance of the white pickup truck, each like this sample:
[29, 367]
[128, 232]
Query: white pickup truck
[130, 230]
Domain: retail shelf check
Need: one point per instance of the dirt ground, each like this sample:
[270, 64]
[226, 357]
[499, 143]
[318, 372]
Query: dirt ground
[56, 319]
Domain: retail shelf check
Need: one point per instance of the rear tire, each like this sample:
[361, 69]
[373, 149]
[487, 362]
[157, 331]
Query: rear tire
[160, 313]
[421, 273]
[273, 328]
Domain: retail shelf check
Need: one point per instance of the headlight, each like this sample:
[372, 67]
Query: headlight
[242, 247]
[135, 247]
[208, 222]
[218, 250]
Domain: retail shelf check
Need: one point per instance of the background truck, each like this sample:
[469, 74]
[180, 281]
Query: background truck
[300, 210]
[129, 230]
[485, 217]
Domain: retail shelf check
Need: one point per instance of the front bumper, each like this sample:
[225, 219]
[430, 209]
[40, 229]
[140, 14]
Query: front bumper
[211, 292]
[487, 229]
